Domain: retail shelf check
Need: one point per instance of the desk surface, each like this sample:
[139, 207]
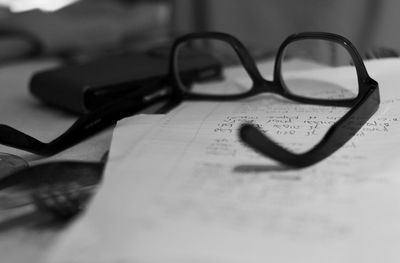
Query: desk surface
[23, 233]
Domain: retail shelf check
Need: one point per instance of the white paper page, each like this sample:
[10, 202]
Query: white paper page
[191, 192]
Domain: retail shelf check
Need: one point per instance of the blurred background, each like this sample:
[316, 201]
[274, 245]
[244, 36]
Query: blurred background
[95, 27]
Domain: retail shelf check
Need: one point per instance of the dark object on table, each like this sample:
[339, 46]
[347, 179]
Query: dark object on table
[61, 188]
[82, 88]
[82, 173]
[63, 200]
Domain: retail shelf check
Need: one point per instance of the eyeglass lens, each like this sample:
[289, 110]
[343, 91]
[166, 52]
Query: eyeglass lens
[315, 84]
[223, 52]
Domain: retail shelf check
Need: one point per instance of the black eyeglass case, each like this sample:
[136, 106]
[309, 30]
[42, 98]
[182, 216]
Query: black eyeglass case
[82, 88]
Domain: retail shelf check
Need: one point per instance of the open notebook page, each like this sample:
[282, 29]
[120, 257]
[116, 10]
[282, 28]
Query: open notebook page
[189, 191]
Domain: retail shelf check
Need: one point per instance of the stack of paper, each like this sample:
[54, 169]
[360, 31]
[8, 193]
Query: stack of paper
[188, 191]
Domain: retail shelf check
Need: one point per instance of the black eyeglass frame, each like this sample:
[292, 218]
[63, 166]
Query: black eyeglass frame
[362, 107]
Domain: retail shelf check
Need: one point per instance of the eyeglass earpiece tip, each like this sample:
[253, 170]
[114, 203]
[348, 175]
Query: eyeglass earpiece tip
[247, 132]
[243, 130]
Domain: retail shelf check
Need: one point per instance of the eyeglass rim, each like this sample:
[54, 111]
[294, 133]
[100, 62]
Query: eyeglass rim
[259, 82]
[247, 61]
[362, 74]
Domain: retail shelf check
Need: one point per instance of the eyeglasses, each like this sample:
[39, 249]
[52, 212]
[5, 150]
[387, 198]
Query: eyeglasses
[361, 94]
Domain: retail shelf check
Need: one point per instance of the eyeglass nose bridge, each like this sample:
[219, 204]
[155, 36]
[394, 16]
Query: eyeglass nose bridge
[262, 85]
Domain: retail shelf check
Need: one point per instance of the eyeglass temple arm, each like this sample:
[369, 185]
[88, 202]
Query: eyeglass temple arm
[335, 137]
[264, 145]
[83, 128]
